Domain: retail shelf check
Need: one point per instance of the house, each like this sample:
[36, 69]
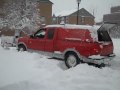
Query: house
[114, 16]
[45, 7]
[70, 17]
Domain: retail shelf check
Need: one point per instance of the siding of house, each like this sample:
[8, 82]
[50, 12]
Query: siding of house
[46, 11]
[86, 21]
[85, 18]
[89, 21]
[115, 9]
[7, 32]
[114, 17]
[72, 20]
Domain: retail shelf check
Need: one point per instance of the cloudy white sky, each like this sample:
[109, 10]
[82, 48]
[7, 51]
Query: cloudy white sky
[99, 7]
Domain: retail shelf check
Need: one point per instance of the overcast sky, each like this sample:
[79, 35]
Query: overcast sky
[99, 7]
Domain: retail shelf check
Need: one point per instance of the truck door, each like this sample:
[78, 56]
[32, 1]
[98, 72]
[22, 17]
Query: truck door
[105, 39]
[49, 44]
[37, 42]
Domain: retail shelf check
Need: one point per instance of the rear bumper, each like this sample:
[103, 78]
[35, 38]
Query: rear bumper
[102, 60]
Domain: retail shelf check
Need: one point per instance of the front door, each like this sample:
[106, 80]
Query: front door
[37, 42]
[50, 38]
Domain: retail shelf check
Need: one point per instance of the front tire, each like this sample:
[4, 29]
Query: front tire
[21, 48]
[71, 59]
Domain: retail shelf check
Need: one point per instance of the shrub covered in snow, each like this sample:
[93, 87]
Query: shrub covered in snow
[19, 14]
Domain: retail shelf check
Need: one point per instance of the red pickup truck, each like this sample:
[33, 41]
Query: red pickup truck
[72, 43]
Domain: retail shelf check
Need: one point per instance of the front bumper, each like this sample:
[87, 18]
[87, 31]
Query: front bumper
[103, 60]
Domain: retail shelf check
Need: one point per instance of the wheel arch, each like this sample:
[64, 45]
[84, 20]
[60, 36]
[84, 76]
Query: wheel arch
[72, 50]
[21, 43]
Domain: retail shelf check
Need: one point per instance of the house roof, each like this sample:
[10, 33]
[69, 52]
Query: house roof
[82, 12]
[45, 1]
[65, 13]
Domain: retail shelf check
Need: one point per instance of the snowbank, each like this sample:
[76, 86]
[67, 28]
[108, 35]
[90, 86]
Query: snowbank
[31, 71]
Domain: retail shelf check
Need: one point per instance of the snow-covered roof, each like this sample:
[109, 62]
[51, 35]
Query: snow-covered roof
[71, 26]
[46, 1]
[65, 13]
[82, 12]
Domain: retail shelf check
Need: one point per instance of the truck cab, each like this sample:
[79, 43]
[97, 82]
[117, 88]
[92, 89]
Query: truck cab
[38, 41]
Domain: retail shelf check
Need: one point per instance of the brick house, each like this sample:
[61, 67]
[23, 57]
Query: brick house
[70, 17]
[45, 7]
[114, 16]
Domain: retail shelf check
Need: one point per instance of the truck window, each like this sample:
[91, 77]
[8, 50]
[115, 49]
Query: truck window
[50, 33]
[103, 36]
[103, 32]
[40, 33]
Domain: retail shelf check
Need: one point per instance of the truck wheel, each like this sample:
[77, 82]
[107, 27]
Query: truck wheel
[21, 48]
[71, 59]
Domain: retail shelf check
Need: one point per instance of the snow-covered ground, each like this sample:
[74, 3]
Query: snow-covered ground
[32, 71]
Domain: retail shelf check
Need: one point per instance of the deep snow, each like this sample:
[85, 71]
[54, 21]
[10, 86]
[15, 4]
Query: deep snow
[32, 71]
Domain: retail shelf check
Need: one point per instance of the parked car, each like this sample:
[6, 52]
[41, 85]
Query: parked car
[8, 41]
[72, 43]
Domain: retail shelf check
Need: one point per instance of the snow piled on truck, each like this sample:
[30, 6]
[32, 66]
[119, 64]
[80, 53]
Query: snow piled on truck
[32, 71]
[93, 29]
[71, 26]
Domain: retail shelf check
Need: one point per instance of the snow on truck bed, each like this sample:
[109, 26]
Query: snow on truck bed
[32, 71]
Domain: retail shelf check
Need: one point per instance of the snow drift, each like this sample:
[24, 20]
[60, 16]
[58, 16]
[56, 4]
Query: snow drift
[32, 71]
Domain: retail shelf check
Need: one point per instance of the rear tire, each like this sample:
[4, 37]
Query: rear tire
[101, 65]
[21, 48]
[71, 59]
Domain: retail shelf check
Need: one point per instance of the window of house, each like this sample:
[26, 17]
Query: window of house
[62, 19]
[67, 19]
[83, 19]
[51, 33]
